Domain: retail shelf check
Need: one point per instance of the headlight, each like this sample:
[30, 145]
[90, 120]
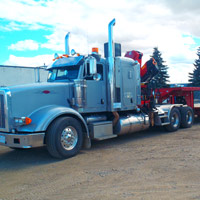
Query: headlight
[22, 121]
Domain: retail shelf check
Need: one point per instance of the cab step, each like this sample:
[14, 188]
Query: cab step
[105, 137]
[101, 130]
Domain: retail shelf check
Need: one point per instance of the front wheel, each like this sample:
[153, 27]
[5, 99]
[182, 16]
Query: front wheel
[175, 119]
[64, 137]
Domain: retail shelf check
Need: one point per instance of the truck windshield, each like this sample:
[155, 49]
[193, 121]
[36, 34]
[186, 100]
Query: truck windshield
[64, 73]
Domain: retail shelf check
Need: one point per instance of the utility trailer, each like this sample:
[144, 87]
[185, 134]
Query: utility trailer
[86, 97]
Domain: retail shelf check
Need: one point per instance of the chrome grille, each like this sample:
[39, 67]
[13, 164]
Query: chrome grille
[2, 112]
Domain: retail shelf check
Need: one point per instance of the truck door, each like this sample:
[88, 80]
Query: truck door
[96, 91]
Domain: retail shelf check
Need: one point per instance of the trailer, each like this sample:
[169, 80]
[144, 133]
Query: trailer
[180, 95]
[86, 97]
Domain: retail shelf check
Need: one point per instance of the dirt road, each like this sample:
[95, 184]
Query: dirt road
[148, 165]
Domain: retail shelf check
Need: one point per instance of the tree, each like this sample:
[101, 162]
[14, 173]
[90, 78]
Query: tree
[161, 79]
[194, 77]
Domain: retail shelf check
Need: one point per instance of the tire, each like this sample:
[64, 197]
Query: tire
[64, 137]
[187, 117]
[175, 119]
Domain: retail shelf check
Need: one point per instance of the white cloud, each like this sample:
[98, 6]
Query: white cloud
[179, 74]
[29, 61]
[24, 45]
[140, 25]
[14, 26]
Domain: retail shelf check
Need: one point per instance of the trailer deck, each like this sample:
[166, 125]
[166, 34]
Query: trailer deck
[185, 95]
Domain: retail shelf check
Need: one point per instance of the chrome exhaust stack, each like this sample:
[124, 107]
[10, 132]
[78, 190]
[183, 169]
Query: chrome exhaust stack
[111, 64]
[67, 50]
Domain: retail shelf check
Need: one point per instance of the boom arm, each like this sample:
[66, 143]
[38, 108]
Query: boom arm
[148, 70]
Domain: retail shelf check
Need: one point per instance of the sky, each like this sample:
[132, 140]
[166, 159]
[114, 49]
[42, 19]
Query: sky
[32, 31]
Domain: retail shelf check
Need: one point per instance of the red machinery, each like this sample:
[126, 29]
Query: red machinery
[135, 55]
[148, 70]
[177, 95]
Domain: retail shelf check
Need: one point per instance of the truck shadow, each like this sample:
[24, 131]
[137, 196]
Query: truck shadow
[19, 159]
[123, 139]
[11, 159]
[152, 132]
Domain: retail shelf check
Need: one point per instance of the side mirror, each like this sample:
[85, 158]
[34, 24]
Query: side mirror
[93, 65]
[97, 77]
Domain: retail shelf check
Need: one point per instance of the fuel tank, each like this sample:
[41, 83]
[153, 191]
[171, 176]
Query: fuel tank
[132, 123]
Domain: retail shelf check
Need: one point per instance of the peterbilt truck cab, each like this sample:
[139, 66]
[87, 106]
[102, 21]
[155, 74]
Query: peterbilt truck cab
[85, 98]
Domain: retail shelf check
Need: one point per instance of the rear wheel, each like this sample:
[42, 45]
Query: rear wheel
[187, 117]
[64, 137]
[175, 119]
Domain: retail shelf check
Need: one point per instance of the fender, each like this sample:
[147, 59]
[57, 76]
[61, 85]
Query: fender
[168, 108]
[43, 117]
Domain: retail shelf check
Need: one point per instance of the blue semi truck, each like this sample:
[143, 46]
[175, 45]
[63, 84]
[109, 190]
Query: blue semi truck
[85, 98]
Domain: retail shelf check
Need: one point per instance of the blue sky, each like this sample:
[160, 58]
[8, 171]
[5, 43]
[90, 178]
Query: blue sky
[32, 31]
[7, 38]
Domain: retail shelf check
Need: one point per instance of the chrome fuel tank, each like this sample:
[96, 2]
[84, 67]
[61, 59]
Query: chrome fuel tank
[132, 123]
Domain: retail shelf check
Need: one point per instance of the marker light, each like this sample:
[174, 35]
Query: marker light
[28, 120]
[95, 50]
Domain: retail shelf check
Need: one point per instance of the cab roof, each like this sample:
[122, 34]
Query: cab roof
[66, 61]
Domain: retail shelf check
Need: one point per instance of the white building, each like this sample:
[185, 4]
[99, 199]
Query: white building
[17, 75]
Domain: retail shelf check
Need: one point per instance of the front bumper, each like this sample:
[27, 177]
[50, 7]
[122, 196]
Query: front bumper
[22, 140]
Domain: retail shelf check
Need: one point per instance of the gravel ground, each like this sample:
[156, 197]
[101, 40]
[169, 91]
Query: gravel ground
[149, 165]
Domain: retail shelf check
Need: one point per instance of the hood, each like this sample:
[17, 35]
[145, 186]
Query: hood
[28, 98]
[36, 86]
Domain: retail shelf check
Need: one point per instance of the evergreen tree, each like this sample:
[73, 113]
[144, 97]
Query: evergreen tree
[161, 79]
[194, 77]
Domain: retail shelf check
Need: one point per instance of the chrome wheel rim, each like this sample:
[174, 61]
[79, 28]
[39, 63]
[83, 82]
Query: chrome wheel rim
[175, 120]
[69, 138]
[189, 117]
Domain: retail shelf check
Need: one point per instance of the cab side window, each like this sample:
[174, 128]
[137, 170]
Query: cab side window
[100, 70]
